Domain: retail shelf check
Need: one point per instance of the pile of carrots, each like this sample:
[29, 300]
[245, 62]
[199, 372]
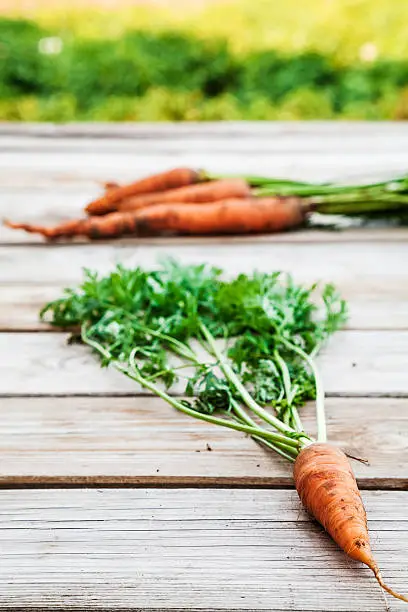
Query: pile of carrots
[187, 201]
[181, 201]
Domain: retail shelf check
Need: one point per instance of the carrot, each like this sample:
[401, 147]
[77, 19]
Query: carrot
[328, 489]
[232, 216]
[73, 227]
[171, 179]
[109, 226]
[202, 193]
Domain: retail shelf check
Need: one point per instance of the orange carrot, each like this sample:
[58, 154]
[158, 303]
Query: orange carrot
[328, 490]
[202, 193]
[108, 226]
[178, 177]
[234, 216]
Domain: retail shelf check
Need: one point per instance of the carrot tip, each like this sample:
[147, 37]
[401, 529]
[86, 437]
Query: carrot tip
[13, 225]
[374, 567]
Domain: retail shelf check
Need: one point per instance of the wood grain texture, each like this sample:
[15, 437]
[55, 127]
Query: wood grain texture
[365, 265]
[39, 167]
[88, 440]
[20, 305]
[63, 155]
[232, 550]
[371, 275]
[360, 363]
[200, 141]
[320, 130]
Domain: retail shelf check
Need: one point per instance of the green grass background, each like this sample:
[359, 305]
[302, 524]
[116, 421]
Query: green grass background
[244, 59]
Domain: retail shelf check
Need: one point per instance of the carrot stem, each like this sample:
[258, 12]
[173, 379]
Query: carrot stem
[284, 450]
[259, 181]
[234, 380]
[177, 346]
[289, 392]
[199, 415]
[320, 409]
[134, 375]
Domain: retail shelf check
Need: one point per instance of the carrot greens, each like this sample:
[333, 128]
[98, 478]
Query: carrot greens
[243, 347]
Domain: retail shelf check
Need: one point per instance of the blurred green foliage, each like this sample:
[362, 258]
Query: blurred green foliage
[48, 75]
[338, 28]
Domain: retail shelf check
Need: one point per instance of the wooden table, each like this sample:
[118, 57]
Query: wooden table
[110, 500]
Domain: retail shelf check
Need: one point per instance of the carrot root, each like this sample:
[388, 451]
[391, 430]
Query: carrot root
[328, 489]
[171, 179]
[233, 216]
[202, 193]
[31, 229]
[230, 216]
[376, 570]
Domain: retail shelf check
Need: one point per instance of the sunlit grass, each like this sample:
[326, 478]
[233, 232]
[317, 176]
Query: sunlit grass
[336, 27]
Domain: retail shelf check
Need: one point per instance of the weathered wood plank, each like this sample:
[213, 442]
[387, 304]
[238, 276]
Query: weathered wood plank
[218, 129]
[36, 153]
[355, 363]
[20, 168]
[19, 307]
[349, 266]
[250, 142]
[189, 549]
[372, 276]
[315, 150]
[143, 441]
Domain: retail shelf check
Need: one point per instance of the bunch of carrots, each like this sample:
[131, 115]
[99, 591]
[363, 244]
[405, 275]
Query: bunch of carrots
[187, 201]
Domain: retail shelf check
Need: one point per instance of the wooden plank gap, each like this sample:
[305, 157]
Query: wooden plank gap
[151, 482]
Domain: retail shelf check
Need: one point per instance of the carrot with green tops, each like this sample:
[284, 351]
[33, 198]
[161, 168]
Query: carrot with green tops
[258, 330]
[232, 216]
[178, 177]
[210, 191]
[322, 473]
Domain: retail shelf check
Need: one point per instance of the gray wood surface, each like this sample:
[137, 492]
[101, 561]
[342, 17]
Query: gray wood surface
[109, 440]
[68, 155]
[191, 549]
[361, 363]
[98, 163]
[66, 423]
[348, 266]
